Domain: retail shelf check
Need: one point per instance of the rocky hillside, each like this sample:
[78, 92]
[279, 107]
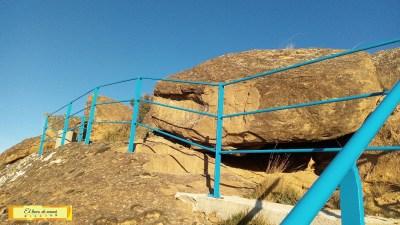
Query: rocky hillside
[106, 185]
[31, 145]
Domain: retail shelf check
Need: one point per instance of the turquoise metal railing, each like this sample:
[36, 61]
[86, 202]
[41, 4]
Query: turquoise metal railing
[341, 172]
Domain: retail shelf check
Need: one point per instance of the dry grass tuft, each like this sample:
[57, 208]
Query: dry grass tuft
[288, 196]
[273, 191]
[277, 163]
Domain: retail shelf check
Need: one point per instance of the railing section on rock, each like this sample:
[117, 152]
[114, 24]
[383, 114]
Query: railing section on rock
[342, 172]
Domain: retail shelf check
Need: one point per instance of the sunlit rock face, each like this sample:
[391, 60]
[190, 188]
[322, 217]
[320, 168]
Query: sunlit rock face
[109, 112]
[344, 76]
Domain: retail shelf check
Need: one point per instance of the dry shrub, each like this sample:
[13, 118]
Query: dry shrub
[277, 163]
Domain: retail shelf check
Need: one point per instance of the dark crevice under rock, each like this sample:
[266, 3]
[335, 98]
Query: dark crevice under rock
[295, 161]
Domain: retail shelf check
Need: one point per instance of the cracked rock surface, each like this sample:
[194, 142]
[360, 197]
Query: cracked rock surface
[344, 76]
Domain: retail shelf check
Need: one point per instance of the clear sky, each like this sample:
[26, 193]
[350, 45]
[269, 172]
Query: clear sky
[52, 51]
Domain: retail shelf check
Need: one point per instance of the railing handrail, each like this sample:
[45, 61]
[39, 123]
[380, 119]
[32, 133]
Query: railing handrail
[262, 74]
[312, 61]
[73, 100]
[304, 150]
[179, 108]
[307, 104]
[215, 84]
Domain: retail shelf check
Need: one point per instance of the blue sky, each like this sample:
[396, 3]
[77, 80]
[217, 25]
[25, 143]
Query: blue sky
[52, 51]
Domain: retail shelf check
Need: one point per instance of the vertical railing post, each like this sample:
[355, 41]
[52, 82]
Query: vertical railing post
[135, 114]
[43, 137]
[91, 115]
[66, 123]
[81, 128]
[351, 198]
[218, 138]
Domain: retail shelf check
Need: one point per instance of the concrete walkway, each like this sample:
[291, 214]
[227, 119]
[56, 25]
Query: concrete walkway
[272, 212]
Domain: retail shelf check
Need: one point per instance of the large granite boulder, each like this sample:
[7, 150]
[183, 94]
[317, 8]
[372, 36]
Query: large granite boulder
[349, 75]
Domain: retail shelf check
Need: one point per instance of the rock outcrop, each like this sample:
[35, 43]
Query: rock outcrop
[31, 145]
[109, 112]
[375, 165]
[56, 123]
[388, 69]
[387, 65]
[383, 168]
[103, 132]
[19, 151]
[349, 75]
[380, 169]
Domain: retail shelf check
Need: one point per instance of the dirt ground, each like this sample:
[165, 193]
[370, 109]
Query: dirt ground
[106, 185]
